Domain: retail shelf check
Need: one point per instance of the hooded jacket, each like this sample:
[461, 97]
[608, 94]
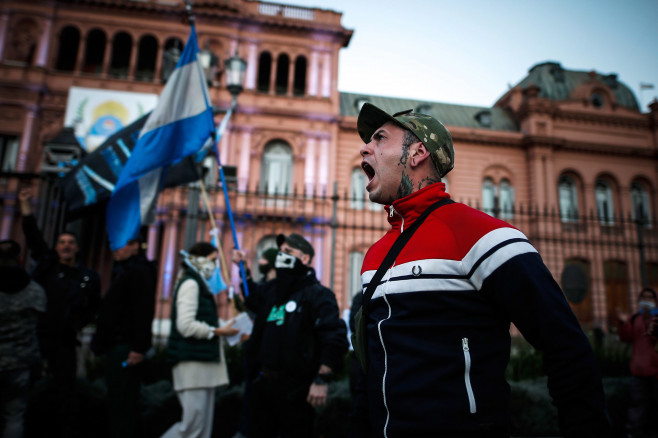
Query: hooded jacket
[438, 339]
[297, 327]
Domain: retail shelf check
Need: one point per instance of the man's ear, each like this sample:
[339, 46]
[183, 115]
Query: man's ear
[419, 154]
[305, 258]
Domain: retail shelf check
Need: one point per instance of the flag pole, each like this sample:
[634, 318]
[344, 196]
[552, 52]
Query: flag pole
[206, 201]
[220, 131]
[229, 212]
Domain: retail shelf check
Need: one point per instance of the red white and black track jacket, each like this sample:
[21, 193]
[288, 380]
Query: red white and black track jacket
[438, 329]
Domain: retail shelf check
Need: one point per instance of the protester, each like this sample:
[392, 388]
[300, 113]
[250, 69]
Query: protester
[123, 334]
[73, 294]
[22, 300]
[297, 342]
[640, 331]
[435, 336]
[267, 273]
[194, 348]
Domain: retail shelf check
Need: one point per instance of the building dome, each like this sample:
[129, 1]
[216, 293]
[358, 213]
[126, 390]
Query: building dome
[557, 83]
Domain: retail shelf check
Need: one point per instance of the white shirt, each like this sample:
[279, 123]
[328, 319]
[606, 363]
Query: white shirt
[195, 374]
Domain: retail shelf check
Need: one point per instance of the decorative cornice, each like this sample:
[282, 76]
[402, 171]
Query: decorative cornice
[559, 144]
[620, 120]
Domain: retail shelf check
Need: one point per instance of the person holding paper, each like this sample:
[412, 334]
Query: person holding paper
[194, 348]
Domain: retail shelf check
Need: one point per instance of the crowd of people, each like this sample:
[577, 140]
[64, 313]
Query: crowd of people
[440, 291]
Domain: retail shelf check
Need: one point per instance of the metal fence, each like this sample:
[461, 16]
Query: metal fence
[601, 263]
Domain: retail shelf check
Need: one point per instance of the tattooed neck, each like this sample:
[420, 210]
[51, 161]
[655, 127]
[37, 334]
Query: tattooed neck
[427, 181]
[406, 186]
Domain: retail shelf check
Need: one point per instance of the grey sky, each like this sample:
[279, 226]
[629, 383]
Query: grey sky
[469, 51]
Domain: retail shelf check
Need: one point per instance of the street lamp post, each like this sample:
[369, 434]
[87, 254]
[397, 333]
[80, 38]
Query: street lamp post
[235, 71]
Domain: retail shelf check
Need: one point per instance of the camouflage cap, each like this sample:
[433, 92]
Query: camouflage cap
[430, 131]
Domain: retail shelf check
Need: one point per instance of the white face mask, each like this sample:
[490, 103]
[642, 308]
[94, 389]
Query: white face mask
[284, 260]
[207, 267]
[646, 304]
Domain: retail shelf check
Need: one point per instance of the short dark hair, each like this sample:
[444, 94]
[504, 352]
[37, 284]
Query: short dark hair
[649, 290]
[69, 233]
[202, 249]
[409, 138]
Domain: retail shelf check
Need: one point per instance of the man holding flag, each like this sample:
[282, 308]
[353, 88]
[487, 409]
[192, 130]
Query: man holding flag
[178, 127]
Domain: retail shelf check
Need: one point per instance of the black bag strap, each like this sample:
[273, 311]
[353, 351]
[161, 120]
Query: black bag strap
[399, 243]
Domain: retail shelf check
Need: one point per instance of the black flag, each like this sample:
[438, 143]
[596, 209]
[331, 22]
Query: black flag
[92, 180]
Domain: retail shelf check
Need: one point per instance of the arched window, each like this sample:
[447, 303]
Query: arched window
[604, 202]
[640, 203]
[147, 51]
[506, 199]
[276, 169]
[488, 196]
[94, 52]
[173, 49]
[122, 46]
[264, 72]
[69, 44]
[568, 195]
[299, 83]
[357, 189]
[354, 277]
[282, 71]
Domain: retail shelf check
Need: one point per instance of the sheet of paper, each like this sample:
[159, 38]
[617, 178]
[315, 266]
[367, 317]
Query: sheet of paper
[242, 323]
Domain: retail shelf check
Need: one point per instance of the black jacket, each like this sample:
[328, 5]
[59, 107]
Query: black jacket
[127, 308]
[73, 292]
[296, 330]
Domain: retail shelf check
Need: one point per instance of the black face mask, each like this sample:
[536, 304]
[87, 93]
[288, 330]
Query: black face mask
[288, 270]
[264, 268]
[287, 264]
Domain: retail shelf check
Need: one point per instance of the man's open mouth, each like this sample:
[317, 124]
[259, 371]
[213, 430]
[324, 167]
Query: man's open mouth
[367, 168]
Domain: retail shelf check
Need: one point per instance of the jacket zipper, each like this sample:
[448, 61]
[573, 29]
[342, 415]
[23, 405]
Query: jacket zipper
[390, 214]
[467, 376]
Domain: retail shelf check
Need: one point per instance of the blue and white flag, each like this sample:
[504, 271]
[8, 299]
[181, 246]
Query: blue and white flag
[179, 126]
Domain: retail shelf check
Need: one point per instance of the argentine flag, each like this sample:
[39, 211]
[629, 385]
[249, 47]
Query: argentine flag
[179, 126]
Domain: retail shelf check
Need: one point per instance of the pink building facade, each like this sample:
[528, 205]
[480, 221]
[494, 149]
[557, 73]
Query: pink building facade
[566, 156]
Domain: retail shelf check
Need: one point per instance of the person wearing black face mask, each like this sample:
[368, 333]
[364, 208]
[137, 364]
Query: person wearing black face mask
[298, 341]
[266, 264]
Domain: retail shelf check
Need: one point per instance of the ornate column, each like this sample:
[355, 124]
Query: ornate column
[158, 64]
[326, 75]
[252, 67]
[309, 170]
[272, 86]
[323, 171]
[313, 74]
[81, 54]
[4, 25]
[26, 139]
[245, 155]
[291, 77]
[105, 67]
[132, 67]
[44, 44]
